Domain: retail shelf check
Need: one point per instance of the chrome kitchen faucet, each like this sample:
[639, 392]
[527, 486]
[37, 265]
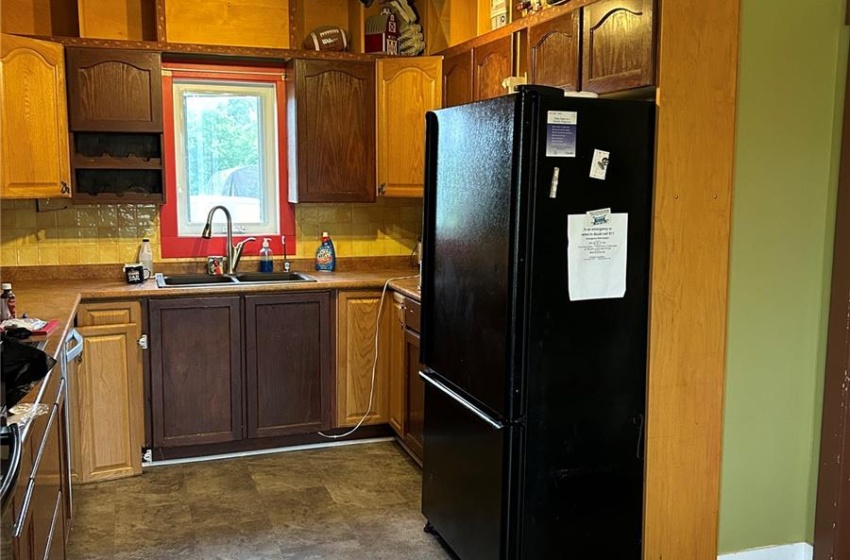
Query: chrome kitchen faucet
[234, 252]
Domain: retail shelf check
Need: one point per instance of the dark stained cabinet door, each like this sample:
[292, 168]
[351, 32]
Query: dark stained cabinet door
[196, 371]
[289, 378]
[492, 63]
[553, 48]
[114, 90]
[415, 395]
[618, 45]
[457, 79]
[332, 131]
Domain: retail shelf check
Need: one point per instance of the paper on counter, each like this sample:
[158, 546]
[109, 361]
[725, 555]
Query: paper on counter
[596, 255]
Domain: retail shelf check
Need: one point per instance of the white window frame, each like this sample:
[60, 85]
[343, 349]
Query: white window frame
[270, 171]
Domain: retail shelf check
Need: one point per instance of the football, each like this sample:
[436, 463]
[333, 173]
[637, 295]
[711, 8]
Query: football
[326, 38]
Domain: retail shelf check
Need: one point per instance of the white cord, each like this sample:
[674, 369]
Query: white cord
[374, 364]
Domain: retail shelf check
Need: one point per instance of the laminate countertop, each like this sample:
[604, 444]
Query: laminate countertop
[58, 300]
[409, 286]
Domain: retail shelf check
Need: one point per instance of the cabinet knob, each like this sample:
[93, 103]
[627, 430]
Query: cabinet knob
[143, 342]
[382, 188]
[65, 188]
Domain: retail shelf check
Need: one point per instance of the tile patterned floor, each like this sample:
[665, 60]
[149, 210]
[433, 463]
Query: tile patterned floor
[353, 502]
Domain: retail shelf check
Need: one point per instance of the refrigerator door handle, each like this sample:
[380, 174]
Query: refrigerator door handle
[461, 401]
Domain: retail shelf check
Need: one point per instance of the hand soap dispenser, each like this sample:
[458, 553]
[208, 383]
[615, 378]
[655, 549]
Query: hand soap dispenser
[266, 262]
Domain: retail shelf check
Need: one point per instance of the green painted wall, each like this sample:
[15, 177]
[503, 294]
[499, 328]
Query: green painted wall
[790, 100]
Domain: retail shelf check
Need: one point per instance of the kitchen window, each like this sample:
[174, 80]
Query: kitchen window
[225, 138]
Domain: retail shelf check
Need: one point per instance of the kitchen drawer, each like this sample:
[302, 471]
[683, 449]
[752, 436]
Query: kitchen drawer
[411, 314]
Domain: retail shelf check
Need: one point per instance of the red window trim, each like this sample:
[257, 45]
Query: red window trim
[171, 244]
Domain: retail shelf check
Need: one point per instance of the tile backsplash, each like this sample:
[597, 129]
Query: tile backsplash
[111, 233]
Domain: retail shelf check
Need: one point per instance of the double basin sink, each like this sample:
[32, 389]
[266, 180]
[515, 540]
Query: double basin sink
[194, 280]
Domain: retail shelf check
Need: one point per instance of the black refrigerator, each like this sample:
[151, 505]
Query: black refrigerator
[535, 293]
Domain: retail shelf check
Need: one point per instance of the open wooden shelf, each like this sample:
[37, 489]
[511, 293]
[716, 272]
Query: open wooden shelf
[109, 162]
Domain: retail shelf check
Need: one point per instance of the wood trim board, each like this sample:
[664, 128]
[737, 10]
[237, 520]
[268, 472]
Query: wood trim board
[832, 525]
[698, 60]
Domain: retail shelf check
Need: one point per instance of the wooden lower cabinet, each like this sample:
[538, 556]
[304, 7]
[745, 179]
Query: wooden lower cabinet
[196, 371]
[357, 314]
[396, 378]
[40, 500]
[202, 394]
[289, 379]
[415, 425]
[107, 394]
[406, 389]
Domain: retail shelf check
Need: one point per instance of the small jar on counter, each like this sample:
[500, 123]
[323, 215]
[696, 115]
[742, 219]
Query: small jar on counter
[7, 302]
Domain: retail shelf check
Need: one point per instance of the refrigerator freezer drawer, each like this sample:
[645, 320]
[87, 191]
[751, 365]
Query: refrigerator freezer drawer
[463, 486]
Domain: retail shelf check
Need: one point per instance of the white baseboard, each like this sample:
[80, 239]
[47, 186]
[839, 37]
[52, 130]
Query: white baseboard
[796, 551]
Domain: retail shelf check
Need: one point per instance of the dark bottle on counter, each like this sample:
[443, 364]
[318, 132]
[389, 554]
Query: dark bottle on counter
[7, 303]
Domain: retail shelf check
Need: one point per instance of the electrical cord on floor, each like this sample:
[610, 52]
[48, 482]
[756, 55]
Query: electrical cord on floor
[374, 364]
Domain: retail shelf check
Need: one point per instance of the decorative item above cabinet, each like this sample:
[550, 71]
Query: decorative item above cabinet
[115, 116]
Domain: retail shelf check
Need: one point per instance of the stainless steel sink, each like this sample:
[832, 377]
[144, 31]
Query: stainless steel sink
[195, 280]
[263, 277]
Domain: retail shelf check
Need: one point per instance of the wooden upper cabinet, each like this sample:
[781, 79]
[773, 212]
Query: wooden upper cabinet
[33, 120]
[114, 90]
[553, 52]
[618, 45]
[408, 87]
[492, 63]
[457, 79]
[331, 119]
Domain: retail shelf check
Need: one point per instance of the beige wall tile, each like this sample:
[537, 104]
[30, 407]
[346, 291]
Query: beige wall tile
[70, 255]
[89, 253]
[25, 217]
[27, 255]
[66, 218]
[108, 252]
[48, 253]
[112, 233]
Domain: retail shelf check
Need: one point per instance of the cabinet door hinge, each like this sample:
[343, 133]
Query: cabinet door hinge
[143, 342]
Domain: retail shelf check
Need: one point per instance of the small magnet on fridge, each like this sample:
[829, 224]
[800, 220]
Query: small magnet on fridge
[553, 187]
[599, 165]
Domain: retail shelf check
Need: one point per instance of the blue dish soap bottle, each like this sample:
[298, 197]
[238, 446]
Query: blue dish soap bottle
[325, 254]
[266, 262]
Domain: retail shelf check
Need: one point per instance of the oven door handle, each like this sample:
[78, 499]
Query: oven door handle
[8, 486]
[78, 348]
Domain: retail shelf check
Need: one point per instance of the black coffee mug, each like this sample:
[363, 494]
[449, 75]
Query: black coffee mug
[136, 273]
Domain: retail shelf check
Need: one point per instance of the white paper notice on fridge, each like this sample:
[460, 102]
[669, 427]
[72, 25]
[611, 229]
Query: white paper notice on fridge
[561, 133]
[596, 255]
